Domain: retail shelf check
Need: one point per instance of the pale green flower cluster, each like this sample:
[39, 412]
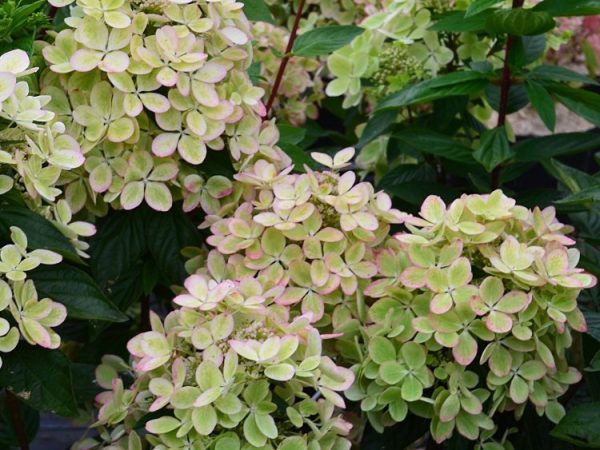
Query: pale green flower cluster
[229, 369]
[33, 317]
[397, 50]
[471, 315]
[148, 88]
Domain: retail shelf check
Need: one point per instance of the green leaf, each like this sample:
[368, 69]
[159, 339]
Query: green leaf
[585, 196]
[458, 22]
[257, 11]
[166, 235]
[254, 72]
[77, 291]
[582, 102]
[453, 84]
[29, 417]
[527, 49]
[575, 180]
[41, 378]
[517, 97]
[558, 73]
[406, 173]
[415, 192]
[379, 124]
[519, 22]
[432, 142]
[325, 40]
[479, 6]
[289, 134]
[580, 426]
[41, 234]
[563, 8]
[538, 149]
[542, 102]
[119, 243]
[494, 149]
[593, 323]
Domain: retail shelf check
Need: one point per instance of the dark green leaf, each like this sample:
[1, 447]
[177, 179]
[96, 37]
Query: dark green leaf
[558, 73]
[434, 143]
[456, 22]
[594, 365]
[77, 291]
[538, 149]
[30, 419]
[325, 40]
[254, 72]
[494, 149]
[517, 97]
[406, 173]
[527, 49]
[415, 192]
[575, 180]
[119, 243]
[41, 378]
[568, 8]
[84, 383]
[257, 11]
[519, 22]
[379, 124]
[593, 323]
[580, 426]
[166, 235]
[583, 197]
[289, 134]
[583, 103]
[40, 232]
[479, 6]
[542, 101]
[453, 84]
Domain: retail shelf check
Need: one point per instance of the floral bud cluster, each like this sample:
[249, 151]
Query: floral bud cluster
[148, 88]
[471, 315]
[397, 69]
[302, 85]
[229, 368]
[33, 318]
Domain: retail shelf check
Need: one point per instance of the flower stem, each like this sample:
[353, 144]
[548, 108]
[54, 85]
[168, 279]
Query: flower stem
[12, 403]
[504, 92]
[284, 60]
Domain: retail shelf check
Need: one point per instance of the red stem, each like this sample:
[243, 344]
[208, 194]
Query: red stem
[285, 60]
[504, 92]
[12, 403]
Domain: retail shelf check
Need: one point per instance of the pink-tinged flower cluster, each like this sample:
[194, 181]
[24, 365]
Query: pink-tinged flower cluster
[471, 311]
[160, 83]
[218, 370]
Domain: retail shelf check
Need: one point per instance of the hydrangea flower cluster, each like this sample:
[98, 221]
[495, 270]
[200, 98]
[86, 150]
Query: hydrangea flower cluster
[33, 317]
[472, 313]
[34, 145]
[149, 87]
[466, 314]
[229, 369]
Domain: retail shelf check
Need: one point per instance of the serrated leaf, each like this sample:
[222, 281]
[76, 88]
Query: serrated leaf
[562, 8]
[450, 85]
[519, 22]
[580, 426]
[542, 102]
[479, 6]
[41, 378]
[494, 149]
[257, 10]
[325, 40]
[77, 291]
[41, 234]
